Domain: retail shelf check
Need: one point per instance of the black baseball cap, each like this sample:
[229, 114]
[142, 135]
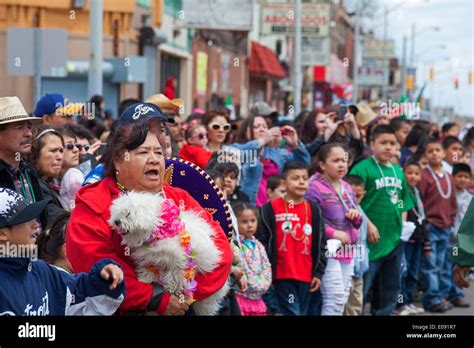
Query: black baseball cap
[140, 111]
[15, 210]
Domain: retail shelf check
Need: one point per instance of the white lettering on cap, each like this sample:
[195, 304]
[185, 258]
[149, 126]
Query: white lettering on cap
[141, 110]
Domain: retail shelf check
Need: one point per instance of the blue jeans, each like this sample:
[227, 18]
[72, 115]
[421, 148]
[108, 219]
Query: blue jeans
[384, 277]
[293, 296]
[315, 304]
[271, 301]
[432, 266]
[448, 290]
[413, 253]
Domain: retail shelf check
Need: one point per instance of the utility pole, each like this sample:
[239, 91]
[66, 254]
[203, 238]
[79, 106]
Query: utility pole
[297, 63]
[37, 61]
[95, 78]
[412, 53]
[404, 67]
[355, 63]
[385, 65]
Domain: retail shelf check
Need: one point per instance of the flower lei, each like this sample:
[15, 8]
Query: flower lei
[172, 226]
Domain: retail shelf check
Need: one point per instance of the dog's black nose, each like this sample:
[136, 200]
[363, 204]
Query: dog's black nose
[117, 223]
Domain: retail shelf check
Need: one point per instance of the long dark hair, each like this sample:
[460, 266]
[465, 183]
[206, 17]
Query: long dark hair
[53, 238]
[308, 129]
[242, 137]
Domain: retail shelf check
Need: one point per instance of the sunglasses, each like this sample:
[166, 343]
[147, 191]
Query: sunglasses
[201, 135]
[78, 146]
[217, 126]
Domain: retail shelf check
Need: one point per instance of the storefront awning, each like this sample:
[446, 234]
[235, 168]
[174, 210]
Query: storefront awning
[263, 61]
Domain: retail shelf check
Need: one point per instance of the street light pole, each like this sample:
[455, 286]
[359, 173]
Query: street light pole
[297, 68]
[95, 82]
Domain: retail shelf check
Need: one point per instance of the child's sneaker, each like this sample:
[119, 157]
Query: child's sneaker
[415, 310]
[403, 311]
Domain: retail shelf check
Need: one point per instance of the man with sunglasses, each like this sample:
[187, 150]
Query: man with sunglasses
[55, 110]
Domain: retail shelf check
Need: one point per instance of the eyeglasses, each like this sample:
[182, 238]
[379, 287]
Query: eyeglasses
[201, 135]
[217, 126]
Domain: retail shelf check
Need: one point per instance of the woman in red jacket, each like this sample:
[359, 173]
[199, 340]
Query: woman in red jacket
[135, 161]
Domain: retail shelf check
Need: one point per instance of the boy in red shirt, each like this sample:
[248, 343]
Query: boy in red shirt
[292, 231]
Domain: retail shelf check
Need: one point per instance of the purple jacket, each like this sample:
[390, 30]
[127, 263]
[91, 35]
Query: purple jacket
[324, 194]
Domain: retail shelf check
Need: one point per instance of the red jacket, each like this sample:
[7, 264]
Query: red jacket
[195, 154]
[89, 239]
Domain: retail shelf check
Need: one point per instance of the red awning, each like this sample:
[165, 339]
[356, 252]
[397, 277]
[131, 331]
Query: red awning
[263, 61]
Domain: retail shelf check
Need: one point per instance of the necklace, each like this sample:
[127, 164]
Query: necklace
[287, 228]
[392, 193]
[438, 184]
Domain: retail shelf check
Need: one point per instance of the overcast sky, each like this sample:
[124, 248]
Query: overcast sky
[455, 19]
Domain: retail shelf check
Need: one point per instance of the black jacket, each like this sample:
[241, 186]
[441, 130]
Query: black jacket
[266, 235]
[27, 169]
[55, 205]
[420, 235]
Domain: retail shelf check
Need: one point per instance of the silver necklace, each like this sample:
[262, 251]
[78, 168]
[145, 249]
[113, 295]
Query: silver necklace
[438, 184]
[392, 193]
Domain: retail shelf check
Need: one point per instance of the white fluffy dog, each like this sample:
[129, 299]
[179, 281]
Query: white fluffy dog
[136, 215]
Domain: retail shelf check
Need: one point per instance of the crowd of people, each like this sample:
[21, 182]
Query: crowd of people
[331, 211]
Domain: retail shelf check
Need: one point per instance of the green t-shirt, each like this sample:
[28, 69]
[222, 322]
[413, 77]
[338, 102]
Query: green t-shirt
[385, 199]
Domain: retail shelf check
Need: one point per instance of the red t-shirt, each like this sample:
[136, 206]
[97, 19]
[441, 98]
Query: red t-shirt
[295, 262]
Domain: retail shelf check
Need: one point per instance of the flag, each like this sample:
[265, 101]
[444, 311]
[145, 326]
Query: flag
[420, 95]
[462, 253]
[229, 105]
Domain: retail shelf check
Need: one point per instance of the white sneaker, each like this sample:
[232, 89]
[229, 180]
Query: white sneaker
[404, 310]
[415, 310]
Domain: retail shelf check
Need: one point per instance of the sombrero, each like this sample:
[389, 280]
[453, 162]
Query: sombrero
[164, 102]
[194, 180]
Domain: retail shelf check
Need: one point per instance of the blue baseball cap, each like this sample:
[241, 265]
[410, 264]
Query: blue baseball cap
[140, 111]
[50, 103]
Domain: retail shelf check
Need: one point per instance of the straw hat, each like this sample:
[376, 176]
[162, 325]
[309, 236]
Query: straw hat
[365, 114]
[164, 103]
[12, 110]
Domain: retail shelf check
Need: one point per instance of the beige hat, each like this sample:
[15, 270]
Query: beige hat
[164, 103]
[12, 110]
[365, 114]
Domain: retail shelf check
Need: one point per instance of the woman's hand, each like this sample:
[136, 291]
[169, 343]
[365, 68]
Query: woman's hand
[290, 135]
[459, 276]
[349, 119]
[94, 147]
[353, 214]
[315, 284]
[342, 236]
[112, 273]
[332, 125]
[176, 306]
[269, 136]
